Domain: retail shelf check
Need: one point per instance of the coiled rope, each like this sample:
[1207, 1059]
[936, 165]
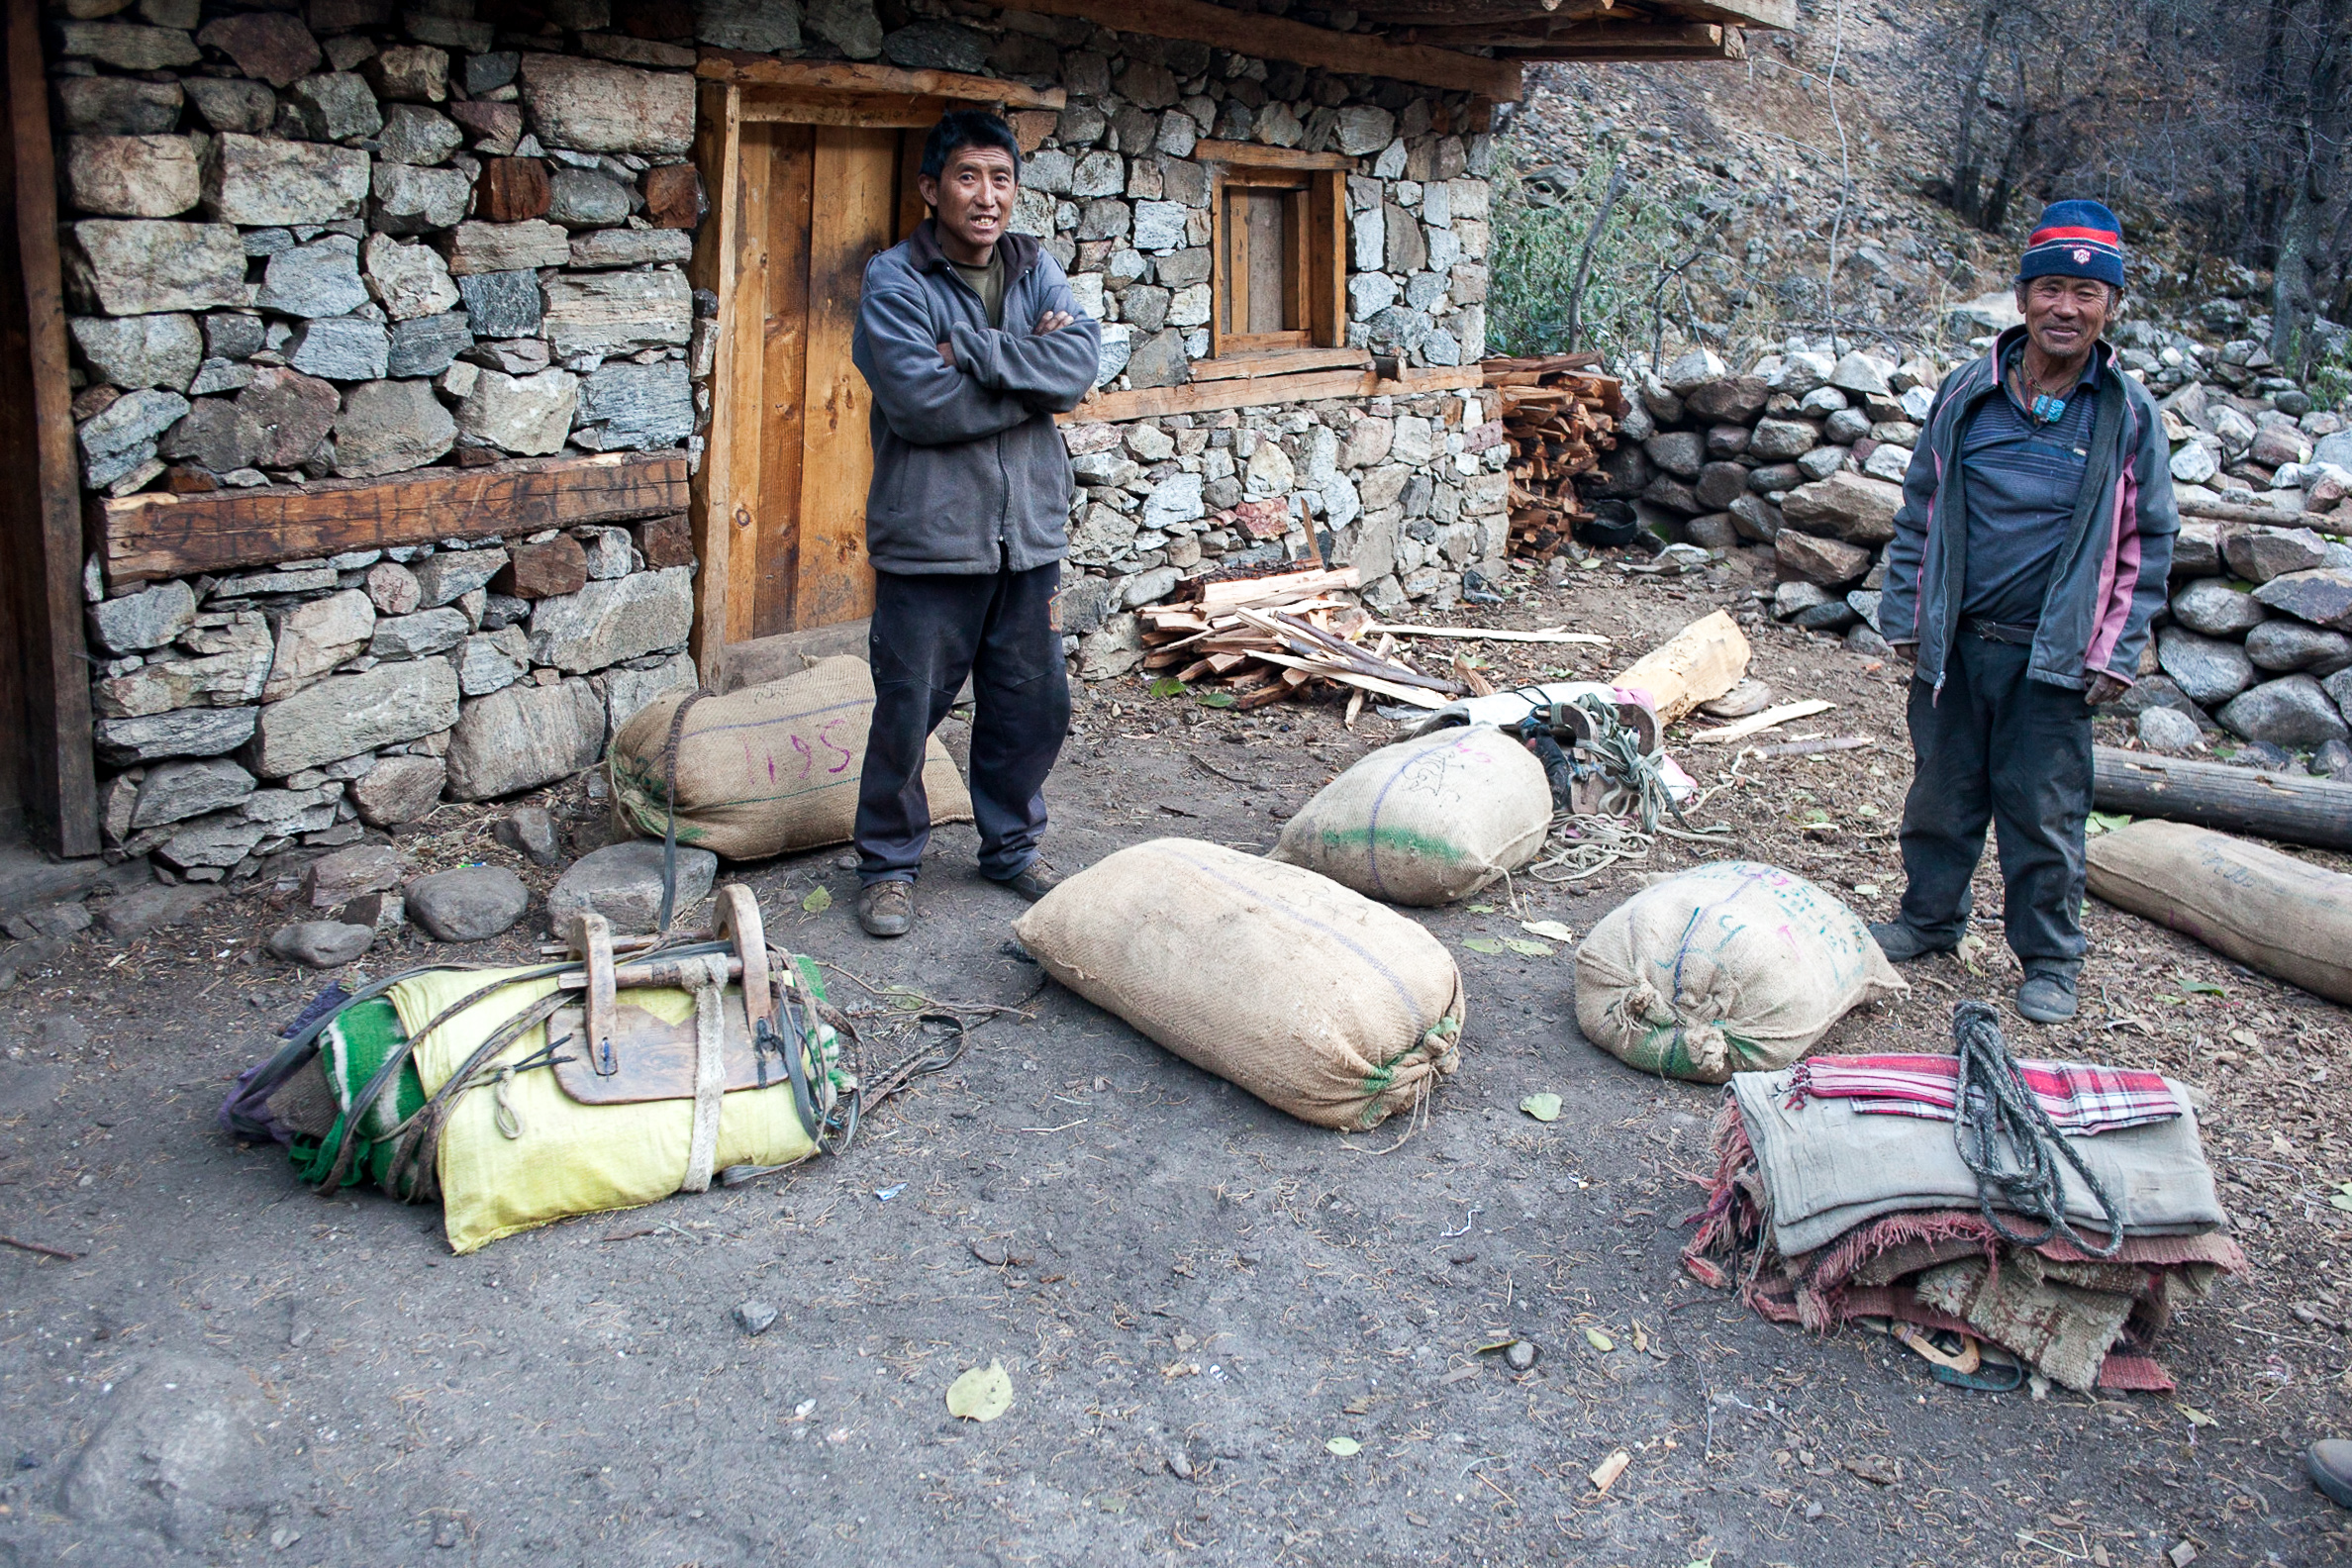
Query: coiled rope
[1997, 1107]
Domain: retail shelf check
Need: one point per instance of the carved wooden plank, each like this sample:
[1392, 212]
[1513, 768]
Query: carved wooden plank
[1250, 391]
[844, 76]
[1259, 155]
[145, 537]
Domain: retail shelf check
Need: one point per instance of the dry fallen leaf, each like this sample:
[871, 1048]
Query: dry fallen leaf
[1543, 1107]
[981, 1393]
[1551, 929]
[1344, 1446]
[1599, 1340]
[1606, 1474]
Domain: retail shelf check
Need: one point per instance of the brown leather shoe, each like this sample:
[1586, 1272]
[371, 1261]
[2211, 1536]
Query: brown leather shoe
[2330, 1463]
[886, 909]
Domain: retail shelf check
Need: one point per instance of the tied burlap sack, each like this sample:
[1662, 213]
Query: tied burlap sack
[2246, 900]
[1425, 820]
[1729, 968]
[1310, 997]
[768, 768]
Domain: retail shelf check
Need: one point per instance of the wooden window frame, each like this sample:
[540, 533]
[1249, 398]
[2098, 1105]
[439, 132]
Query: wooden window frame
[1315, 276]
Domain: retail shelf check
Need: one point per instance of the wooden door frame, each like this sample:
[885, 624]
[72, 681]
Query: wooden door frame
[47, 752]
[736, 94]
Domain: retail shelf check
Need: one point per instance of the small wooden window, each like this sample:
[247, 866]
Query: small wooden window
[1280, 258]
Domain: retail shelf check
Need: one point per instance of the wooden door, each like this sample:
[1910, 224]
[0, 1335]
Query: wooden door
[801, 208]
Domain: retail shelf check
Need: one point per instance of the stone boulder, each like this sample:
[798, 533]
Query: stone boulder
[266, 181]
[145, 620]
[315, 636]
[321, 278]
[1680, 454]
[2260, 554]
[623, 883]
[334, 880]
[450, 575]
[1735, 400]
[1828, 562]
[411, 200]
[2322, 597]
[1845, 505]
[408, 280]
[597, 106]
[320, 945]
[2293, 711]
[2208, 670]
[523, 737]
[527, 414]
[345, 715]
[2210, 607]
[607, 623]
[176, 791]
[182, 733]
[290, 414]
[613, 313]
[139, 351]
[2168, 731]
[469, 903]
[131, 176]
[399, 789]
[1783, 439]
[2282, 647]
[268, 45]
[136, 267]
[388, 427]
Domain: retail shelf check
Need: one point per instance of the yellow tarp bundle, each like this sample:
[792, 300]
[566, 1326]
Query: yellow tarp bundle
[570, 1158]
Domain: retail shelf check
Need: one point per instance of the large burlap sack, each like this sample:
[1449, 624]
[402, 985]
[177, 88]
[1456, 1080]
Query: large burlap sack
[2246, 900]
[1425, 820]
[766, 769]
[1729, 968]
[1310, 997]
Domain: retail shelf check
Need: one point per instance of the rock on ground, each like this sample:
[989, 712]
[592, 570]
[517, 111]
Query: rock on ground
[2168, 730]
[321, 945]
[623, 883]
[334, 880]
[399, 789]
[141, 911]
[470, 904]
[2292, 712]
[524, 736]
[2209, 670]
[529, 831]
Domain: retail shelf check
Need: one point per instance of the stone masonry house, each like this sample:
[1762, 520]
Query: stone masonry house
[403, 392]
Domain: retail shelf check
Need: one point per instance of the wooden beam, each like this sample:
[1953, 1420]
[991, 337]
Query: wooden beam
[1290, 363]
[1534, 28]
[2288, 806]
[846, 77]
[56, 777]
[718, 153]
[1256, 155]
[781, 106]
[1252, 391]
[1282, 39]
[159, 535]
[1673, 41]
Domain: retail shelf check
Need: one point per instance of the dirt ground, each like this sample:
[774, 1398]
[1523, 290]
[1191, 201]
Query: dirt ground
[1193, 1295]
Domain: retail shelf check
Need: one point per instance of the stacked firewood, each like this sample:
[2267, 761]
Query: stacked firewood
[1258, 639]
[1559, 414]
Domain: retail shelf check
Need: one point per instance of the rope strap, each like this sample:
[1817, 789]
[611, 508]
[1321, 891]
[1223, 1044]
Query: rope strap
[706, 977]
[1995, 1108]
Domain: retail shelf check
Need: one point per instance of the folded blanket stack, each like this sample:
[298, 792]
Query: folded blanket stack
[1840, 1193]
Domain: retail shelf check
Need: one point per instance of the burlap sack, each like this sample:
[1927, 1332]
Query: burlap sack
[1728, 968]
[2246, 900]
[1425, 820]
[766, 769]
[1310, 997]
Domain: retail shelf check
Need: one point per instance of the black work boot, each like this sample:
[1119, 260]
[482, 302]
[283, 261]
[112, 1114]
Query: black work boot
[1901, 943]
[886, 909]
[2330, 1463]
[2047, 996]
[1035, 881]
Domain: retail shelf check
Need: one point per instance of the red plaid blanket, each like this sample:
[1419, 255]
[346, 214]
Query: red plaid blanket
[2080, 1097]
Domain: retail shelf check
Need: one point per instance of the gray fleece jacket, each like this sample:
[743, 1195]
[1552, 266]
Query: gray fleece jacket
[969, 473]
[2110, 579]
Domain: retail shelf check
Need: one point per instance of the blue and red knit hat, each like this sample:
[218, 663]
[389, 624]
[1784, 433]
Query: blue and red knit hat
[2075, 238]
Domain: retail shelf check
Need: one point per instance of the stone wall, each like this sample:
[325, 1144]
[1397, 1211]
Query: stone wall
[1387, 485]
[1800, 462]
[350, 239]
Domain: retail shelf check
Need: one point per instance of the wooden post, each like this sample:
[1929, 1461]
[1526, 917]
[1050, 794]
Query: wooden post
[48, 775]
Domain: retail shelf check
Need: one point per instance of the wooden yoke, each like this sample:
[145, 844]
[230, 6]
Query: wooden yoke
[737, 922]
[592, 937]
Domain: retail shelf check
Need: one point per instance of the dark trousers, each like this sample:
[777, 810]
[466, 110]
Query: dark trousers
[1999, 747]
[929, 633]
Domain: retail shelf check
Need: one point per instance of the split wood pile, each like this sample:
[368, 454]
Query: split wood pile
[1262, 639]
[1559, 414]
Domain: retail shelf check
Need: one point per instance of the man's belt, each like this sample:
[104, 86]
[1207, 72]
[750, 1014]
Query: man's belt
[1995, 632]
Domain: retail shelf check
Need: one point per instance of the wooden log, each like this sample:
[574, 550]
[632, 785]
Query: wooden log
[2246, 901]
[145, 537]
[2275, 517]
[2292, 808]
[1279, 37]
[1699, 663]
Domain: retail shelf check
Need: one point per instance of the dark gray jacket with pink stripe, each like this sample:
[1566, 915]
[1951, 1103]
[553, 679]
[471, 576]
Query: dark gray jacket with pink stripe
[2110, 580]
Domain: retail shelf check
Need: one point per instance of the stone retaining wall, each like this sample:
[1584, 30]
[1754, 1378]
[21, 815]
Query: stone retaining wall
[1800, 462]
[348, 240]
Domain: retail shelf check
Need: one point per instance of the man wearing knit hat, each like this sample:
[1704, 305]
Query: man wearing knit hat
[2030, 551]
